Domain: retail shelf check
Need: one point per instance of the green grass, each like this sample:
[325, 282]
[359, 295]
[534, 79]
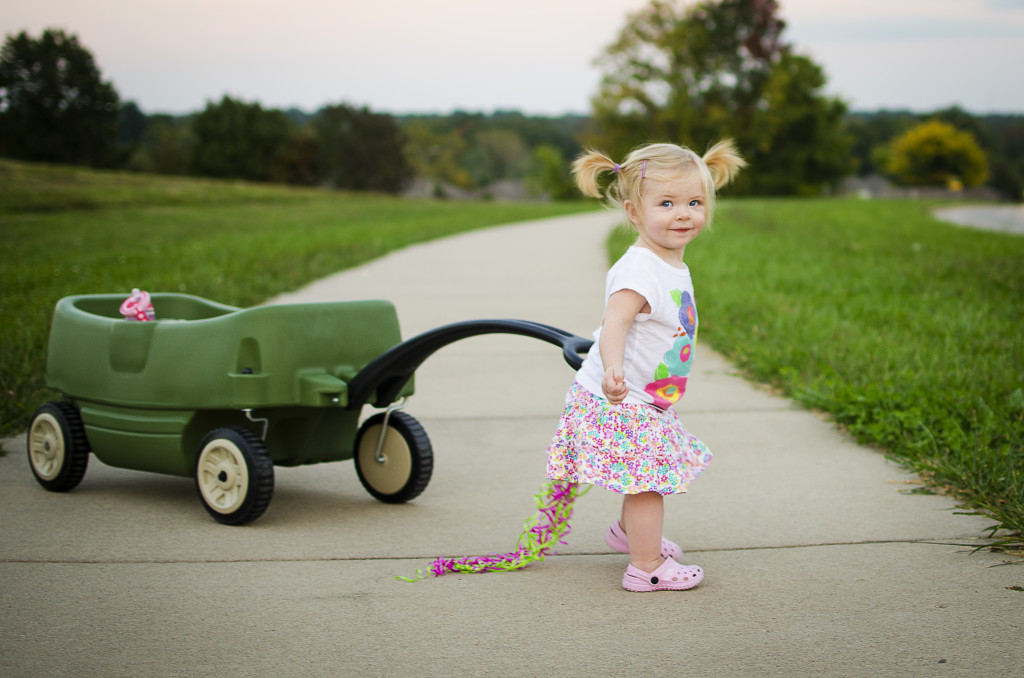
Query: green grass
[905, 330]
[37, 187]
[74, 231]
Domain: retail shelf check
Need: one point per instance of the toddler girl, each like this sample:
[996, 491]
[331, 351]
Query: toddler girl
[619, 430]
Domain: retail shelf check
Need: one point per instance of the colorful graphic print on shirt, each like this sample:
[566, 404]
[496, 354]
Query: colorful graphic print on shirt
[669, 383]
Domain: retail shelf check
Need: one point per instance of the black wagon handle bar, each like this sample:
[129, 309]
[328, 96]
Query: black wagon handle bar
[388, 373]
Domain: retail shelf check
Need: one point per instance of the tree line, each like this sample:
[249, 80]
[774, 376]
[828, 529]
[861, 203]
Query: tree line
[684, 72]
[988, 149]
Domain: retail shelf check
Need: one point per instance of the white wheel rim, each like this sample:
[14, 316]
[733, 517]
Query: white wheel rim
[390, 475]
[46, 446]
[222, 476]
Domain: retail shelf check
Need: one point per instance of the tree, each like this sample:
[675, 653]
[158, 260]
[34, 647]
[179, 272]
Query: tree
[496, 154]
[871, 133]
[1007, 154]
[695, 74]
[299, 162]
[936, 153]
[165, 147]
[54, 104]
[360, 149]
[1005, 161]
[549, 174]
[472, 150]
[131, 123]
[795, 132]
[436, 155]
[237, 140]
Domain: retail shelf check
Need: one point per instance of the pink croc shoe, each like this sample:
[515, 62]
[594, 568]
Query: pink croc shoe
[670, 576]
[616, 540]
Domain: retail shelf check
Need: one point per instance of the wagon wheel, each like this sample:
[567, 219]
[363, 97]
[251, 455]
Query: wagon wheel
[406, 460]
[58, 451]
[234, 475]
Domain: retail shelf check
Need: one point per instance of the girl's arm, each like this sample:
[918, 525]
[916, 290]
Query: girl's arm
[622, 308]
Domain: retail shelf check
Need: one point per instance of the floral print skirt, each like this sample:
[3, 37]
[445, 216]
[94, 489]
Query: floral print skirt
[624, 448]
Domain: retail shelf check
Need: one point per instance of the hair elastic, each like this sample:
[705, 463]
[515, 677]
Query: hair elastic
[616, 168]
[643, 169]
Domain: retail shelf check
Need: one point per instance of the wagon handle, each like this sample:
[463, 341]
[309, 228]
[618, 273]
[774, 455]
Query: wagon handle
[388, 373]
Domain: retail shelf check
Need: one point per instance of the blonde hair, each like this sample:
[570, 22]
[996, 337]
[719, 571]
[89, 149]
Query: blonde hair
[661, 162]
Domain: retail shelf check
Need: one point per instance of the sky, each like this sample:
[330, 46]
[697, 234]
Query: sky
[534, 56]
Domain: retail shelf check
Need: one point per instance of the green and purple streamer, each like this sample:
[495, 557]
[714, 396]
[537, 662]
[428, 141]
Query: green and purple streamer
[540, 534]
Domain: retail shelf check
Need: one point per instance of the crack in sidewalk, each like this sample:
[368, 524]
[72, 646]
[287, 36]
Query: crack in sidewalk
[966, 542]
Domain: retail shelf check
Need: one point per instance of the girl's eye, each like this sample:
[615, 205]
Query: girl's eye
[695, 203]
[666, 203]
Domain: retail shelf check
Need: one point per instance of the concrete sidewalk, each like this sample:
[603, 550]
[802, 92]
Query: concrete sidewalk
[817, 561]
[1002, 218]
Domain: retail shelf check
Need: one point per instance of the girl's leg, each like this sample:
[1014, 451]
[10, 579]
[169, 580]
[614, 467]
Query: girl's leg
[643, 516]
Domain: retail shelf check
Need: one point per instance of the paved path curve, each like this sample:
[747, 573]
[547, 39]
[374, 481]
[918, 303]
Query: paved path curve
[1003, 218]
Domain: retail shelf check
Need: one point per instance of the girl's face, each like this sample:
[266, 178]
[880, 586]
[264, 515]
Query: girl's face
[671, 214]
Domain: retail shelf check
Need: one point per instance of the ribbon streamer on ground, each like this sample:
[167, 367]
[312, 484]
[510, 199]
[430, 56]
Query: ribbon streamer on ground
[540, 534]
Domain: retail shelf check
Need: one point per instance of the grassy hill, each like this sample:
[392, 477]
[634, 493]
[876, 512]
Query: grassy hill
[77, 231]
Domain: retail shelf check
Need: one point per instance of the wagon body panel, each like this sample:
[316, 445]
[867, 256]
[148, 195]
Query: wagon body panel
[138, 439]
[305, 435]
[203, 355]
[166, 441]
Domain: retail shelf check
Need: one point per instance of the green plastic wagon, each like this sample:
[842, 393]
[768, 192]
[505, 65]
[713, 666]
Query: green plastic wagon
[222, 394]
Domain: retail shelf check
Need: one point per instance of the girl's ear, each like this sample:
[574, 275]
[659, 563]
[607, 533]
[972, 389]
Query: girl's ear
[631, 212]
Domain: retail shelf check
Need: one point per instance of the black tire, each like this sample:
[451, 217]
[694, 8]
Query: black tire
[234, 475]
[407, 458]
[58, 451]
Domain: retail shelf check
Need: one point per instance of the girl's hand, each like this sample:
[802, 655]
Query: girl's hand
[614, 385]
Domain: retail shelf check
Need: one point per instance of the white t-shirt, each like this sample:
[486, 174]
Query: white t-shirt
[659, 344]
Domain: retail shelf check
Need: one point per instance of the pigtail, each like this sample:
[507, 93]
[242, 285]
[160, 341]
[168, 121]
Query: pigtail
[586, 169]
[724, 161]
